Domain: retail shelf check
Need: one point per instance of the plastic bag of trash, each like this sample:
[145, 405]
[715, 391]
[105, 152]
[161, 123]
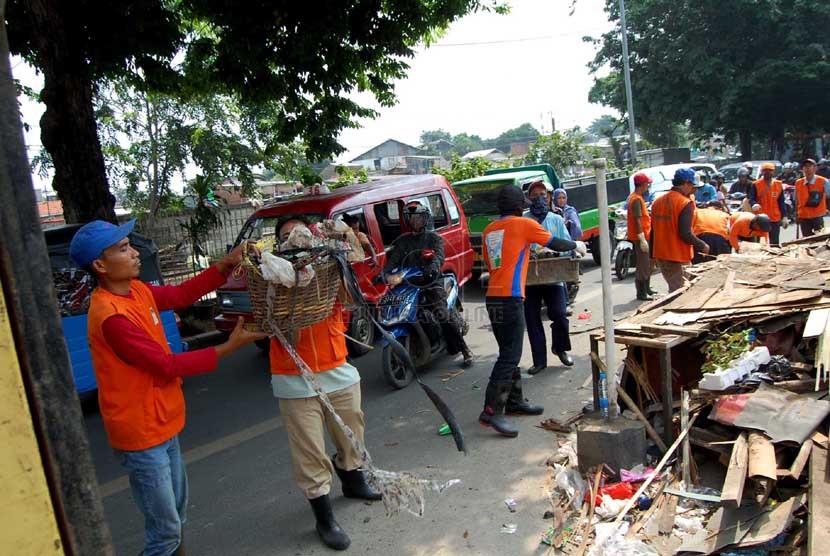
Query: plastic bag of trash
[280, 271]
[571, 482]
[610, 507]
[610, 541]
[689, 525]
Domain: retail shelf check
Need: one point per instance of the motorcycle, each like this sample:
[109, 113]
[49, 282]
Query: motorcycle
[403, 315]
[623, 255]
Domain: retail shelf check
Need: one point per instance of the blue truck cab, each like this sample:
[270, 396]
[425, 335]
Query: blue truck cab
[73, 286]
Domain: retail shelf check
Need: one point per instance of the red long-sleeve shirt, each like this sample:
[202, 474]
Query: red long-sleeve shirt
[136, 347]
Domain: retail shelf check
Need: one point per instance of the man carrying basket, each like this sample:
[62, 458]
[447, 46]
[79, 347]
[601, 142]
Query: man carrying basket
[139, 378]
[323, 347]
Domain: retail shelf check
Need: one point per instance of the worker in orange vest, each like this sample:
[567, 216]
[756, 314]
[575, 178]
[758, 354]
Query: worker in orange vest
[766, 196]
[744, 226]
[639, 232]
[672, 240]
[810, 196]
[323, 347]
[139, 378]
[711, 225]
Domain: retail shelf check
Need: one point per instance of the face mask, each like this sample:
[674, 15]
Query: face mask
[539, 206]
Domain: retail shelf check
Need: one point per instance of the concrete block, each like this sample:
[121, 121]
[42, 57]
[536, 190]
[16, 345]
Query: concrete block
[620, 443]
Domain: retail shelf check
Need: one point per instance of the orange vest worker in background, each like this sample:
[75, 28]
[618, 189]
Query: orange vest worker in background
[639, 232]
[673, 242]
[139, 379]
[766, 196]
[811, 199]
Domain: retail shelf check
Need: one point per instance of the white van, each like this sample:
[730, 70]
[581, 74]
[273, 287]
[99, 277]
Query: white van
[661, 176]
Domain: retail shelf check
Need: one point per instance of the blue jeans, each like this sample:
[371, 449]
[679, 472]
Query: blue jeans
[159, 485]
[508, 322]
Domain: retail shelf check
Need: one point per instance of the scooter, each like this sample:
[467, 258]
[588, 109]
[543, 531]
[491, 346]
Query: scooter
[623, 255]
[402, 314]
[734, 201]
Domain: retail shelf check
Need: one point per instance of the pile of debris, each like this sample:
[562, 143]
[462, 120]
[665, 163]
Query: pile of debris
[738, 465]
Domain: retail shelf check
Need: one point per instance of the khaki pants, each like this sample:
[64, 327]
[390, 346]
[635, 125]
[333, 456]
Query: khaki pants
[644, 264]
[305, 422]
[673, 274]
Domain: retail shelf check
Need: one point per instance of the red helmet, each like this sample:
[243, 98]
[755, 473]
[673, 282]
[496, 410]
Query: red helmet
[641, 179]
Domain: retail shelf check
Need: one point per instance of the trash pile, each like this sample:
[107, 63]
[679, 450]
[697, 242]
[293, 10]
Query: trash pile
[741, 466]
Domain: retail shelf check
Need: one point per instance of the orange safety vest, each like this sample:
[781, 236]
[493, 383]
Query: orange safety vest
[767, 196]
[739, 227]
[802, 193]
[140, 410]
[322, 346]
[665, 215]
[645, 219]
[711, 221]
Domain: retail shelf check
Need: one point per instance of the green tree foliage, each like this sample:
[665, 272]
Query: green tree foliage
[292, 64]
[523, 133]
[148, 138]
[560, 149]
[464, 143]
[746, 67]
[205, 217]
[435, 135]
[349, 176]
[466, 169]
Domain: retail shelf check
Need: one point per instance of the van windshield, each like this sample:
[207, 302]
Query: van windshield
[267, 226]
[480, 198]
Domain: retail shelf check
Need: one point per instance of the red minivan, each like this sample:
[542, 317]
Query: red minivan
[378, 206]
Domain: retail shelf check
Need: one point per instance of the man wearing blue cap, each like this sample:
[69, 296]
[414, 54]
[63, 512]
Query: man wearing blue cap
[673, 243]
[139, 378]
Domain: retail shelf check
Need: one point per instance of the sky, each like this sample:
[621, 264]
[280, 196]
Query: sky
[487, 74]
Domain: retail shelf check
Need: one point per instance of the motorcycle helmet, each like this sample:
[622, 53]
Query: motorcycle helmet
[417, 217]
[743, 172]
[762, 222]
[718, 175]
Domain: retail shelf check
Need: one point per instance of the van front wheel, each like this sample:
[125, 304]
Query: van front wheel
[362, 329]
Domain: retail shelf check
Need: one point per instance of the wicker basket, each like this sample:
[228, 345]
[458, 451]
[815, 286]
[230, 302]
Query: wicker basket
[298, 307]
[552, 270]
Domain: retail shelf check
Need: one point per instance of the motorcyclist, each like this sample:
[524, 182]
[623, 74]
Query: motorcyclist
[706, 192]
[423, 248]
[823, 168]
[742, 184]
[719, 186]
[788, 176]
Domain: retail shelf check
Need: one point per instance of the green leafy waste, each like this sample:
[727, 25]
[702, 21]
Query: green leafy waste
[724, 349]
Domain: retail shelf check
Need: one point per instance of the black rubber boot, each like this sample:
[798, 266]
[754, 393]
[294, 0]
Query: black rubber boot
[517, 404]
[648, 288]
[354, 483]
[329, 530]
[468, 356]
[642, 290]
[495, 398]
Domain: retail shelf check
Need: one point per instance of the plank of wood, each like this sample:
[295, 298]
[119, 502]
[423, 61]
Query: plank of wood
[656, 502]
[639, 414]
[662, 463]
[816, 322]
[689, 331]
[819, 520]
[665, 520]
[762, 466]
[733, 486]
[801, 459]
[686, 454]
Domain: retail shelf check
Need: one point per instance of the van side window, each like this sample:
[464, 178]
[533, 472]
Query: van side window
[452, 208]
[389, 221]
[436, 209]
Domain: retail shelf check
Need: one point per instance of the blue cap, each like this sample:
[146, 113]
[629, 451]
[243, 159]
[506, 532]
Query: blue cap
[682, 175]
[93, 237]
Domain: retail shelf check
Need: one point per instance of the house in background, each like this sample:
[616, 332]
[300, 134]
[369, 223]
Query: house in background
[386, 156]
[493, 155]
[441, 146]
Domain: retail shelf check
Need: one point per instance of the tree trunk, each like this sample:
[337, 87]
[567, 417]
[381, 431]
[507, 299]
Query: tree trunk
[68, 128]
[745, 141]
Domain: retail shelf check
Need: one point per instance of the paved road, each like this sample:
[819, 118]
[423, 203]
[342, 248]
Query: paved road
[244, 501]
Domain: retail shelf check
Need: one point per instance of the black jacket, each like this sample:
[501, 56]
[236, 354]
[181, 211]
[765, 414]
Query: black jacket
[406, 251]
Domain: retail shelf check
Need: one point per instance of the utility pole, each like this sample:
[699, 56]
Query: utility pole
[632, 130]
